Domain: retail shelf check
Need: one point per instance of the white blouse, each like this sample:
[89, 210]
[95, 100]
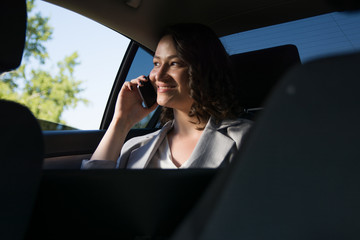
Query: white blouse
[162, 158]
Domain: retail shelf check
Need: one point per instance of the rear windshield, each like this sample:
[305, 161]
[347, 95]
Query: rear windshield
[314, 37]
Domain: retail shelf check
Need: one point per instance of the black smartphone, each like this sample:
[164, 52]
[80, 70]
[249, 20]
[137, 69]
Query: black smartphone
[147, 93]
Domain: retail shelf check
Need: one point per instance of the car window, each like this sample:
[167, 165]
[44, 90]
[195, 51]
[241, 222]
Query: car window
[314, 37]
[68, 69]
[141, 65]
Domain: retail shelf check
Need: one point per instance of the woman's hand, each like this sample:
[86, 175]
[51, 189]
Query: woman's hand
[128, 111]
[128, 108]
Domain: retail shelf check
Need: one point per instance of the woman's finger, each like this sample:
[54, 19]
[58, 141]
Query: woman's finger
[139, 80]
[128, 85]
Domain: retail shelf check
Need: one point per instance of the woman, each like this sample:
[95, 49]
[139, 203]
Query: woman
[192, 76]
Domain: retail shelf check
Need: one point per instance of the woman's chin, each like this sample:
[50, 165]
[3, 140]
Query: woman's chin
[164, 101]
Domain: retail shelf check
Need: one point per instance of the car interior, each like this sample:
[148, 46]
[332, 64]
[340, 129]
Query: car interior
[287, 183]
[295, 177]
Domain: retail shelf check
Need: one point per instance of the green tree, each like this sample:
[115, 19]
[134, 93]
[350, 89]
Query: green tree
[46, 94]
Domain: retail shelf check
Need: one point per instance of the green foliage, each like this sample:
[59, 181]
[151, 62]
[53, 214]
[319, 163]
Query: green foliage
[46, 94]
[38, 32]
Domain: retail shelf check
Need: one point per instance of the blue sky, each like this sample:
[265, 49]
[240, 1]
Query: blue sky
[100, 52]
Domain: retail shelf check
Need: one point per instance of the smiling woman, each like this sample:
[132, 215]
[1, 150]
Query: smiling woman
[189, 81]
[171, 77]
[211, 81]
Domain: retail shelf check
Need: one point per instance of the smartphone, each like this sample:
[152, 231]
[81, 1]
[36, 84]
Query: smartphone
[147, 93]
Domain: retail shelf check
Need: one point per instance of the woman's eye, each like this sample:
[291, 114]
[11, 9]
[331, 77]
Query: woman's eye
[156, 64]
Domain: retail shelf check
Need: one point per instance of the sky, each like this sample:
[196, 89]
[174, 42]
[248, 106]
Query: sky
[100, 52]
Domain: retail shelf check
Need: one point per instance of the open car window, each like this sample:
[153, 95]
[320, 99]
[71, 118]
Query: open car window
[68, 68]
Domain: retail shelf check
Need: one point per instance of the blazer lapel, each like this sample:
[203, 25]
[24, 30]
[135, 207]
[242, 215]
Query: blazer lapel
[140, 157]
[213, 147]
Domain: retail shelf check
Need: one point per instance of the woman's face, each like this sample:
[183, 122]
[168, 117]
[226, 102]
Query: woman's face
[170, 77]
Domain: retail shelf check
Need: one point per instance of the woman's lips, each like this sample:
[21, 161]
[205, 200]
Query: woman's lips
[164, 88]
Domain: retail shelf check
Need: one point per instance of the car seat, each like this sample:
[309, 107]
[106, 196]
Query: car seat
[257, 72]
[21, 143]
[297, 176]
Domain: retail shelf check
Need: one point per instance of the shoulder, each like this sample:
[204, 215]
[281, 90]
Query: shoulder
[236, 129]
[231, 124]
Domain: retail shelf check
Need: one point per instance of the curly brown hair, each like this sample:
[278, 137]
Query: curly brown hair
[210, 73]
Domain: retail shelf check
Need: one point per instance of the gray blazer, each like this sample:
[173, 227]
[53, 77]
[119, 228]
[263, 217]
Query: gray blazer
[218, 143]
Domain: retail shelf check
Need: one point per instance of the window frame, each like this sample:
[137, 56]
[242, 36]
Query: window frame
[123, 71]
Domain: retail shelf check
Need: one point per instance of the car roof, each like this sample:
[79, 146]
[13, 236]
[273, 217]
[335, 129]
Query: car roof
[143, 21]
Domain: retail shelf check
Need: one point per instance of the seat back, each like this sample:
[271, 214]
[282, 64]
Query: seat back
[21, 142]
[297, 176]
[21, 147]
[257, 72]
[115, 204]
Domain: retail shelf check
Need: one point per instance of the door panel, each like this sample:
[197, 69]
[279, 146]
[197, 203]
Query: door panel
[67, 149]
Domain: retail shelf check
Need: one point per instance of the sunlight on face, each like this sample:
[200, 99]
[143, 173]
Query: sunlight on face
[170, 77]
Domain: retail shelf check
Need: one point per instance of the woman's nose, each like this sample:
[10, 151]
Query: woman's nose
[161, 73]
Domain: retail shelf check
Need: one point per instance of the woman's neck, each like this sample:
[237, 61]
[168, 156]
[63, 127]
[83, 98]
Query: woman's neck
[183, 137]
[185, 125]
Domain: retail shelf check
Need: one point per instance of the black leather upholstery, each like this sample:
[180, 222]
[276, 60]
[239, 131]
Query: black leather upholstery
[257, 72]
[21, 148]
[298, 174]
[21, 142]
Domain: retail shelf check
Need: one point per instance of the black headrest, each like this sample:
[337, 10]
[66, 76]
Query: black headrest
[258, 71]
[13, 20]
[345, 5]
